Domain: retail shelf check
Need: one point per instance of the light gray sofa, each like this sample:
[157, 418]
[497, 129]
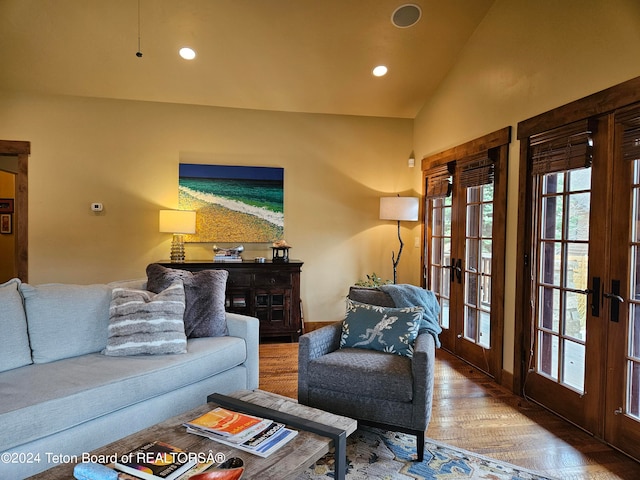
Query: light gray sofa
[59, 395]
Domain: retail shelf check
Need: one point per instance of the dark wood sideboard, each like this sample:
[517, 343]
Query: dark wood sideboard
[269, 291]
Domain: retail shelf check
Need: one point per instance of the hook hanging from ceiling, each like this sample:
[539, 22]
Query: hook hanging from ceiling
[139, 52]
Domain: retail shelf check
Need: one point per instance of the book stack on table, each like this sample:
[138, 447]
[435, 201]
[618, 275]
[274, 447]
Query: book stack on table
[259, 436]
[155, 461]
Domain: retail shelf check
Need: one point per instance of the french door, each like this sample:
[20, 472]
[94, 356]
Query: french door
[583, 266]
[464, 247]
[622, 289]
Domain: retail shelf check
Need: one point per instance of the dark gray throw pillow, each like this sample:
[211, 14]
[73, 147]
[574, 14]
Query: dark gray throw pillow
[204, 314]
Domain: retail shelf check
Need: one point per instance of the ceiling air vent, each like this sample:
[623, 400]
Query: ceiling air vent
[406, 15]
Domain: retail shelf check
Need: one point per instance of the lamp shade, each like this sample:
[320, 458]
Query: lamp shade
[177, 221]
[399, 208]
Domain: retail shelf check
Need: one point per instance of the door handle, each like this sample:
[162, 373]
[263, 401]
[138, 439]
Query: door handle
[458, 270]
[614, 295]
[451, 268]
[595, 296]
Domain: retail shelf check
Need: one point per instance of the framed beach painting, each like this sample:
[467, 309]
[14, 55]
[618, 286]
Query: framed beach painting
[233, 203]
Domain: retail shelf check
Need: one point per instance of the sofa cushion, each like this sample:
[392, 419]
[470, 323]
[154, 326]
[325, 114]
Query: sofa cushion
[391, 330]
[66, 320]
[204, 314]
[40, 400]
[141, 322]
[366, 373]
[15, 351]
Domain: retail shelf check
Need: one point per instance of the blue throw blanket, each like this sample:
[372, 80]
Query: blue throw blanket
[405, 295]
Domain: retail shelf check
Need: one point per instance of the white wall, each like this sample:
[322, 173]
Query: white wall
[528, 57]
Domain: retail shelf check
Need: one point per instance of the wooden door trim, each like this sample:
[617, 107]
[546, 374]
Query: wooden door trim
[21, 150]
[593, 105]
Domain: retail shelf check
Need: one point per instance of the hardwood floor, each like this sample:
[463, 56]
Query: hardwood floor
[472, 412]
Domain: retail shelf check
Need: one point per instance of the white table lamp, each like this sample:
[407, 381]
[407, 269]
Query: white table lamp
[178, 222]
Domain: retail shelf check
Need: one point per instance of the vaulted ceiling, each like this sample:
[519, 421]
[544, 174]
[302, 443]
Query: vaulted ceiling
[284, 55]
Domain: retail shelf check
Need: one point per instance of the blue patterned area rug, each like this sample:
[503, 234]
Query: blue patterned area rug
[375, 454]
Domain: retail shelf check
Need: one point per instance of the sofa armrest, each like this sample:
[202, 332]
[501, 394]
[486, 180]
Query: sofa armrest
[247, 328]
[313, 345]
[423, 369]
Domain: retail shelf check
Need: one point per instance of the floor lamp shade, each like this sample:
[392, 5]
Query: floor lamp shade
[399, 208]
[177, 222]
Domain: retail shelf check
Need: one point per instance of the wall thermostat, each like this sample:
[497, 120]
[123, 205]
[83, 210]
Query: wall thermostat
[96, 207]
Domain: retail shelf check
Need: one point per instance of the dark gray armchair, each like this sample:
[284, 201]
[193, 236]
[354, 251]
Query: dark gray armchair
[383, 390]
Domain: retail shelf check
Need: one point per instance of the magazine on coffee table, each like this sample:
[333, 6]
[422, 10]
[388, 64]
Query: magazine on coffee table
[255, 435]
[263, 444]
[227, 423]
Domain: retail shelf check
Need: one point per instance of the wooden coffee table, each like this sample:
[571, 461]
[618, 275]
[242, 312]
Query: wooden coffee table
[317, 432]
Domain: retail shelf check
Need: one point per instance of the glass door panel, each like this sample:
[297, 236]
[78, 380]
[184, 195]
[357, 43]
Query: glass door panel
[440, 261]
[565, 201]
[633, 297]
[477, 271]
[557, 375]
[563, 245]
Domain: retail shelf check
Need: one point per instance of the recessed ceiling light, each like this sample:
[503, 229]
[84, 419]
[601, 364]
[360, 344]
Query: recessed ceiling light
[380, 71]
[187, 53]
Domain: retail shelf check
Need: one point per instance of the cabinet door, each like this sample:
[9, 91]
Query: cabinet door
[238, 300]
[273, 307]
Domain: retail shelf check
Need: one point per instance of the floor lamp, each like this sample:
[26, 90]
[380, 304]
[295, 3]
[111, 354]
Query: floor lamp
[177, 222]
[398, 208]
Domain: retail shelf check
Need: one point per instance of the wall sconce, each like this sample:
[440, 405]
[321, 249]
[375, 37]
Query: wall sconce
[177, 222]
[398, 208]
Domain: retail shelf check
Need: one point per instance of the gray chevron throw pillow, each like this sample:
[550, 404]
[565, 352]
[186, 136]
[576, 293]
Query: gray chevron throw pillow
[144, 323]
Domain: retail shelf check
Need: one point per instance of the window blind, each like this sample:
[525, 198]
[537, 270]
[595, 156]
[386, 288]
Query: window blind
[438, 182]
[630, 123]
[476, 170]
[563, 148]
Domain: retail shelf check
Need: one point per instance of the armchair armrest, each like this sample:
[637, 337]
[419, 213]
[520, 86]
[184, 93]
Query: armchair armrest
[313, 345]
[320, 342]
[247, 328]
[423, 369]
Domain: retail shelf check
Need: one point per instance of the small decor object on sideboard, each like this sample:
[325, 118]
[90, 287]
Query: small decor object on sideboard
[280, 251]
[228, 254]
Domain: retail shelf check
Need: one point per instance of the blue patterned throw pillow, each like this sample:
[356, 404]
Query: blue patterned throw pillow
[391, 330]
